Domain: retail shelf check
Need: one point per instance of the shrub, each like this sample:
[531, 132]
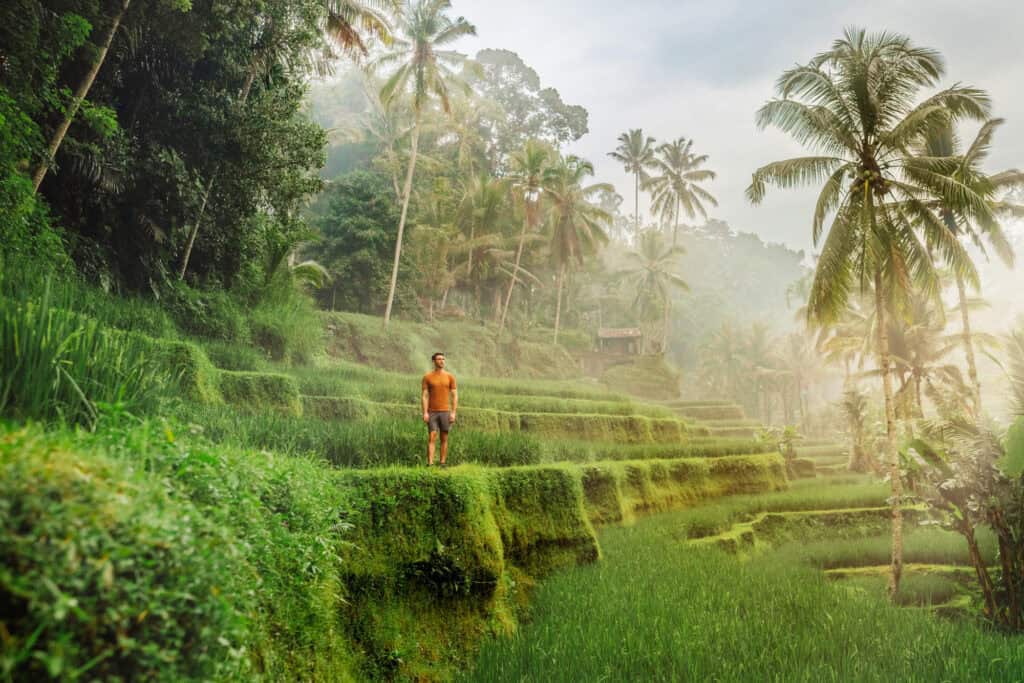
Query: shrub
[208, 314]
[95, 561]
[289, 330]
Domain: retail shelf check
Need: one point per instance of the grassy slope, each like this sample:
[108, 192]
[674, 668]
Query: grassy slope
[683, 613]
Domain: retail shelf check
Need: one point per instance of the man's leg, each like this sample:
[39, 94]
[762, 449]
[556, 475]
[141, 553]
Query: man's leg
[444, 447]
[430, 448]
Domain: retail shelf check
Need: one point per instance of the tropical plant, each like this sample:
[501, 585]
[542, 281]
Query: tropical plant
[576, 224]
[855, 103]
[854, 406]
[424, 70]
[275, 28]
[636, 153]
[482, 204]
[527, 178]
[349, 22]
[651, 274]
[674, 187]
[942, 142]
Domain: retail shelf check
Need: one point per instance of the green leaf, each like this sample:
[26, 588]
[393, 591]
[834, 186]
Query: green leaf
[1012, 463]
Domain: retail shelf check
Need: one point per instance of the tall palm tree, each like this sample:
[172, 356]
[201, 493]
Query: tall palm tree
[636, 153]
[675, 186]
[527, 178]
[651, 274]
[576, 223]
[943, 142]
[855, 105]
[482, 205]
[423, 70]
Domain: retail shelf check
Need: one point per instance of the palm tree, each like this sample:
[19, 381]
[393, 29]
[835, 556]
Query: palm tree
[576, 224]
[722, 360]
[676, 185]
[527, 177]
[423, 71]
[650, 274]
[636, 153]
[348, 21]
[854, 104]
[942, 142]
[482, 204]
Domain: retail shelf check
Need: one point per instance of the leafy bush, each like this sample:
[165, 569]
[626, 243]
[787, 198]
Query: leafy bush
[289, 330]
[95, 564]
[209, 314]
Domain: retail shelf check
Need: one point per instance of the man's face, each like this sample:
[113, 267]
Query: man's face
[439, 362]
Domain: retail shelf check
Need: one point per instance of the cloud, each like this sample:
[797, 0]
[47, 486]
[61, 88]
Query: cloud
[702, 69]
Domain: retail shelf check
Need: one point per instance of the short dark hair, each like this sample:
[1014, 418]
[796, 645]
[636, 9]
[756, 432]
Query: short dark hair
[436, 354]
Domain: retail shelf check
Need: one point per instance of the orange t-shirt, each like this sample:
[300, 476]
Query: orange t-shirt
[439, 386]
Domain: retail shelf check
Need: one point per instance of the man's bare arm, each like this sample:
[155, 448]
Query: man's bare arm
[455, 403]
[424, 400]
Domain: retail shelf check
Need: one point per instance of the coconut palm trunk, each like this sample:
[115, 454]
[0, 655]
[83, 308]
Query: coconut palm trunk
[407, 191]
[884, 364]
[636, 203]
[972, 366]
[515, 273]
[665, 323]
[558, 304]
[76, 101]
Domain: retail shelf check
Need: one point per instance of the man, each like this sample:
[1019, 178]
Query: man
[438, 388]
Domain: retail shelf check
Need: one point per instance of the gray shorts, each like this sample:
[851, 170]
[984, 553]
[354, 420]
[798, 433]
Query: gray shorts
[439, 420]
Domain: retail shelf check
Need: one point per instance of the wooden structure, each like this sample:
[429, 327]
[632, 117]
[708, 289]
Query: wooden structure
[619, 340]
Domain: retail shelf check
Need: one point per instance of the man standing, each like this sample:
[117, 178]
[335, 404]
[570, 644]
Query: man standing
[438, 388]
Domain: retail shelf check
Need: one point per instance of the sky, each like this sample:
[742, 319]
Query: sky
[702, 69]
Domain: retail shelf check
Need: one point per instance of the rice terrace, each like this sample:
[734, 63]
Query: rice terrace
[448, 340]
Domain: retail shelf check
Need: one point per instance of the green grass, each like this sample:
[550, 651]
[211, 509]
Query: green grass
[917, 588]
[59, 365]
[822, 451]
[927, 545]
[342, 378]
[358, 444]
[658, 609]
[693, 447]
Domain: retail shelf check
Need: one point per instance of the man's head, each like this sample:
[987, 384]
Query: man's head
[438, 359]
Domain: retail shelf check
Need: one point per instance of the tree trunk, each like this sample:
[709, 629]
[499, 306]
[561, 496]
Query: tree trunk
[558, 304]
[515, 271]
[243, 97]
[675, 230]
[972, 367]
[195, 229]
[76, 101]
[1006, 559]
[472, 236]
[980, 569]
[884, 362]
[401, 221]
[636, 205]
[665, 324]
